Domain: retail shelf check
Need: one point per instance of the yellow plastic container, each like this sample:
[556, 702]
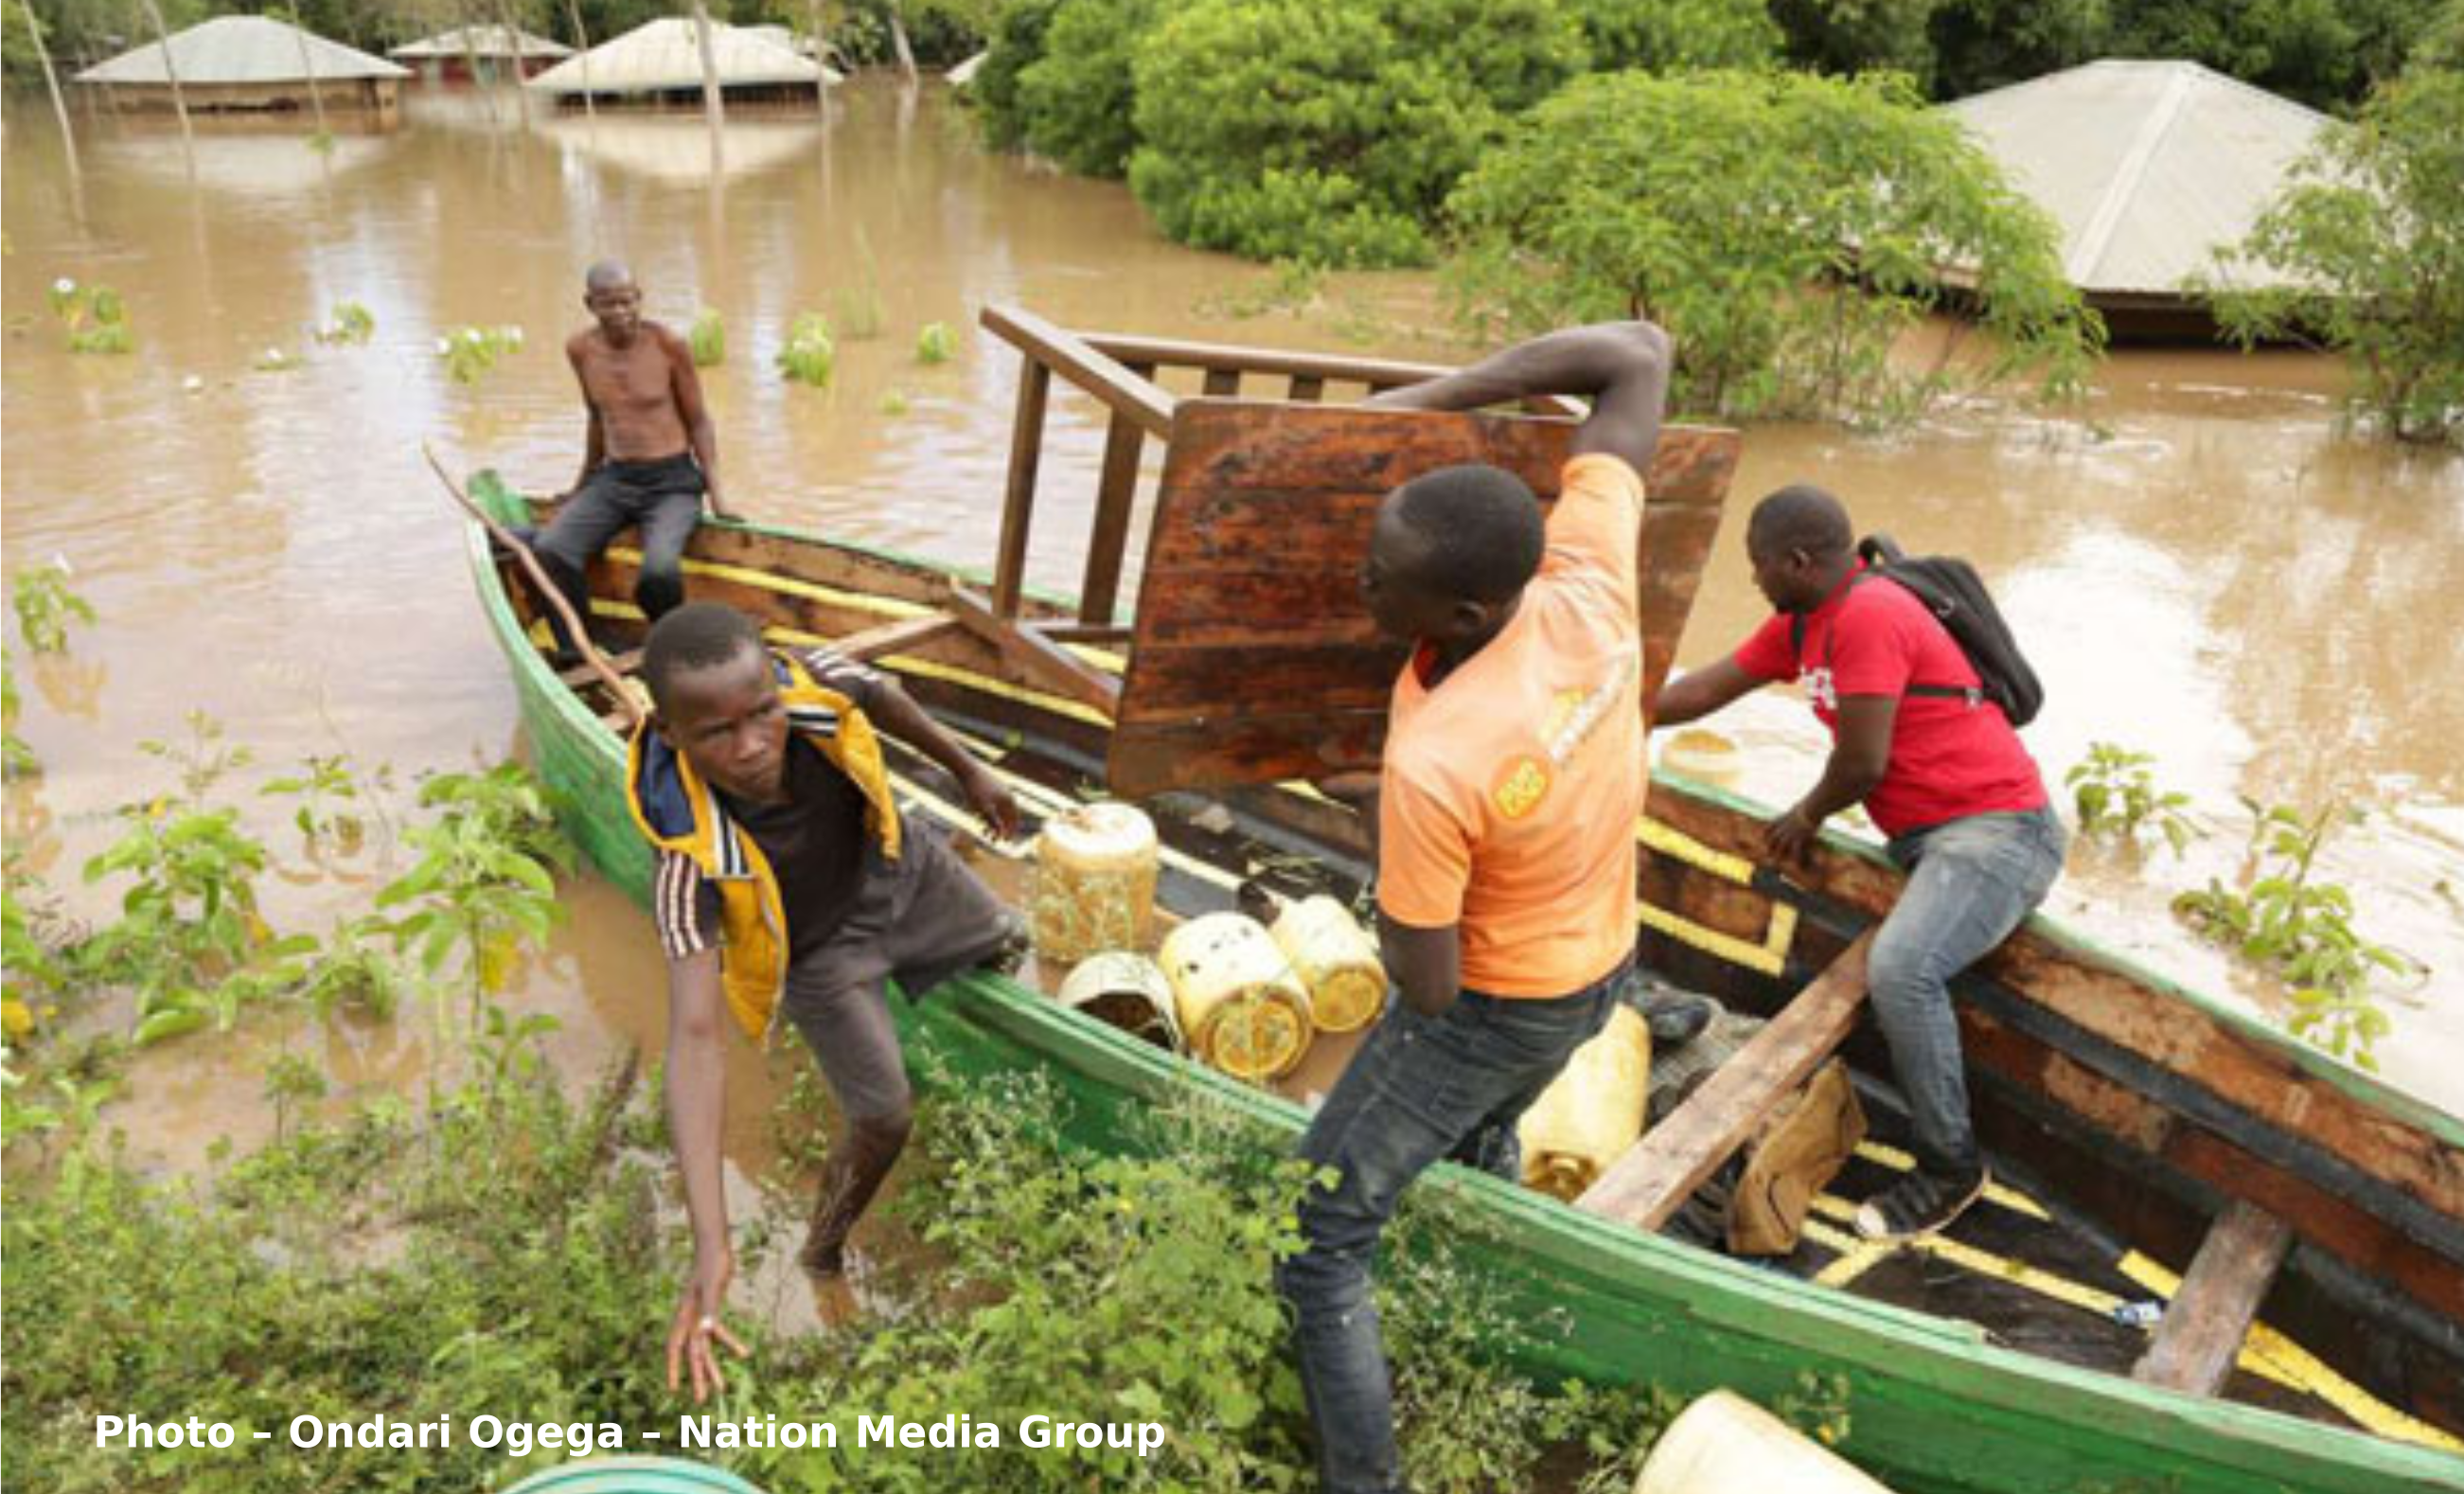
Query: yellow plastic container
[1336, 961]
[1125, 990]
[1239, 1003]
[1726, 1444]
[1591, 1111]
[1704, 757]
[1095, 869]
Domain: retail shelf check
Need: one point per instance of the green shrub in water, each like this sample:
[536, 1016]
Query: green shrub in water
[708, 339]
[46, 604]
[1785, 229]
[1331, 130]
[810, 355]
[936, 343]
[351, 322]
[471, 353]
[94, 317]
[2115, 793]
[1078, 98]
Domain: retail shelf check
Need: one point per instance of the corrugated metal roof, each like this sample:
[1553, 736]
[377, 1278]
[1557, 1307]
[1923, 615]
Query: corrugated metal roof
[486, 41]
[2147, 167]
[662, 55]
[241, 49]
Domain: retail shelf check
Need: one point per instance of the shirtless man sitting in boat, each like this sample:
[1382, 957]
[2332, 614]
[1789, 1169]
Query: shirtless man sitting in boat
[652, 456]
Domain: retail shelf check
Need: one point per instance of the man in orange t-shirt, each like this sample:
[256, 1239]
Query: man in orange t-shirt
[1505, 822]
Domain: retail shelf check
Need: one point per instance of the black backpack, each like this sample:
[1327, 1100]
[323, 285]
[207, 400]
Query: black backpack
[1953, 591]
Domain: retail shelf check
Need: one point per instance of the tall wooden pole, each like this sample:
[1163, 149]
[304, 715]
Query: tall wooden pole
[308, 63]
[59, 105]
[179, 99]
[581, 45]
[712, 108]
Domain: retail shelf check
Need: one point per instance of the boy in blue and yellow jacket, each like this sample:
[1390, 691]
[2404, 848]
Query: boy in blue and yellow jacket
[788, 886]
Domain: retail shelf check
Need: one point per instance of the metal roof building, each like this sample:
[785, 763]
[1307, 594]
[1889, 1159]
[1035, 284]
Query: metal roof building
[663, 58]
[2147, 167]
[248, 63]
[500, 48]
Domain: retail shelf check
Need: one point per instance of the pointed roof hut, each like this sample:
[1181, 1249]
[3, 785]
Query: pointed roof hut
[503, 49]
[663, 57]
[248, 63]
[2149, 167]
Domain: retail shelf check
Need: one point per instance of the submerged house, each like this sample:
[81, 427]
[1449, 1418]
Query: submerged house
[2150, 168]
[249, 62]
[485, 53]
[660, 62]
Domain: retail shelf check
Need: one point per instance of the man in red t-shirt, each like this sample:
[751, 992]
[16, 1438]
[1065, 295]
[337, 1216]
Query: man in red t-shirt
[1942, 774]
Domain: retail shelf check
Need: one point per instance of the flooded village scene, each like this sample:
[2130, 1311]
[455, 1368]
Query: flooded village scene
[1692, 746]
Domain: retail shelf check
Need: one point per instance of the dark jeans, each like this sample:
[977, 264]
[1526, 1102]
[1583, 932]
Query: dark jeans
[1971, 882]
[1420, 1088]
[663, 498]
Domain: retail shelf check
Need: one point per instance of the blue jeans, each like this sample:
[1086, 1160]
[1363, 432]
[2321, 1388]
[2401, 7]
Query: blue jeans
[1420, 1088]
[1971, 882]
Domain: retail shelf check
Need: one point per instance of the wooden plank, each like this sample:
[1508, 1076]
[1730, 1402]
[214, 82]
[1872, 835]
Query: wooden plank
[1231, 362]
[1250, 606]
[903, 636]
[2203, 1329]
[1115, 493]
[1107, 378]
[1652, 1181]
[582, 674]
[1066, 632]
[1044, 662]
[1018, 500]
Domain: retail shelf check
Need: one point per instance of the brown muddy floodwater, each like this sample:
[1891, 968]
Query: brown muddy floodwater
[2213, 573]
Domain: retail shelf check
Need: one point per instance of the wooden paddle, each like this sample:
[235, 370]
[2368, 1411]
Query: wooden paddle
[548, 588]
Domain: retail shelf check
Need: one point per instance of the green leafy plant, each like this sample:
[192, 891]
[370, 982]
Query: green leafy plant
[1331, 130]
[810, 355]
[484, 883]
[17, 757]
[94, 317]
[328, 791]
[351, 322]
[2115, 793]
[1078, 98]
[708, 339]
[1785, 229]
[936, 343]
[46, 606]
[2283, 916]
[188, 919]
[1664, 36]
[894, 403]
[2363, 241]
[471, 353]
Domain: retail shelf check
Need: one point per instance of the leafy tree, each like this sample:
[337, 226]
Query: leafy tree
[1077, 98]
[1786, 229]
[1016, 45]
[1658, 35]
[1984, 44]
[2320, 52]
[1331, 130]
[2370, 235]
[1859, 36]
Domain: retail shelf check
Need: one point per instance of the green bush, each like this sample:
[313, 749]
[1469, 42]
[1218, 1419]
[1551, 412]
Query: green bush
[1018, 44]
[708, 339]
[1331, 130]
[1661, 36]
[1077, 98]
[2369, 233]
[1785, 229]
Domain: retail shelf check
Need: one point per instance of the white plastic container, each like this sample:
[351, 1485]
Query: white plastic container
[1241, 1005]
[1336, 959]
[1095, 869]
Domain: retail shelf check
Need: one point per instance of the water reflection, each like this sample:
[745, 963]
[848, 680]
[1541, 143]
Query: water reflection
[2212, 574]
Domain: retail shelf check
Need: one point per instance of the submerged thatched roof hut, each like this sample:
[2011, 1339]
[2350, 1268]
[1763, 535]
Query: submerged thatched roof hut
[498, 50]
[248, 63]
[2149, 167]
[660, 61]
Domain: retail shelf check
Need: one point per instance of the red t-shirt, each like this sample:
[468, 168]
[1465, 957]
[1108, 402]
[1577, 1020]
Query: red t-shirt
[1949, 758]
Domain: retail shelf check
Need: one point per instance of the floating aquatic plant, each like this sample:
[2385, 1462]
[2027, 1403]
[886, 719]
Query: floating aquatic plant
[810, 355]
[936, 343]
[95, 316]
[351, 322]
[708, 339]
[469, 353]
